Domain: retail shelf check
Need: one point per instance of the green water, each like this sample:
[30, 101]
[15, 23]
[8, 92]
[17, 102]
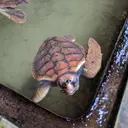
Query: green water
[83, 19]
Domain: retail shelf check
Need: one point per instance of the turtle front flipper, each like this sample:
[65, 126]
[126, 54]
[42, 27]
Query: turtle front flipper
[42, 91]
[93, 59]
[15, 15]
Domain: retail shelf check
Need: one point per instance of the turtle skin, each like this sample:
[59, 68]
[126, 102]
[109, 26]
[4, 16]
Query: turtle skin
[60, 61]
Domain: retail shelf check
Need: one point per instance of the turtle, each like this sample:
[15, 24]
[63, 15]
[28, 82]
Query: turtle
[60, 61]
[8, 9]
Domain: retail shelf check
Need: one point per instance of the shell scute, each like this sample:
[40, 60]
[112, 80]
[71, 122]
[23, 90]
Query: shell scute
[53, 43]
[50, 72]
[57, 56]
[66, 45]
[73, 57]
[60, 39]
[73, 63]
[70, 50]
[54, 50]
[63, 71]
[41, 61]
[61, 65]
[49, 65]
[54, 77]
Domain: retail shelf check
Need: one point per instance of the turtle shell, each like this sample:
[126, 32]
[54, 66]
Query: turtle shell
[57, 56]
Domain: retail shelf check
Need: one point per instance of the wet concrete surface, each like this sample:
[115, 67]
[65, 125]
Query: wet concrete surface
[26, 114]
[122, 118]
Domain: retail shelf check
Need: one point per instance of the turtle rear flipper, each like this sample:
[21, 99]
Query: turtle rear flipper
[15, 15]
[93, 59]
[20, 2]
[42, 91]
[12, 3]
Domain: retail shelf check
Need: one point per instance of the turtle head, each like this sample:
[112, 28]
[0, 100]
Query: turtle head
[69, 83]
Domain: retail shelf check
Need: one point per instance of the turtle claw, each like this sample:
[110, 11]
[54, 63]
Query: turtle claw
[93, 59]
[41, 92]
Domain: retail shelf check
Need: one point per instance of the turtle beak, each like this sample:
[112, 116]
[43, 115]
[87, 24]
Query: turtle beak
[71, 88]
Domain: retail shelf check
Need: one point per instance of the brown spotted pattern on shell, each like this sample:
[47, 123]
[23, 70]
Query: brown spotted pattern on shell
[57, 56]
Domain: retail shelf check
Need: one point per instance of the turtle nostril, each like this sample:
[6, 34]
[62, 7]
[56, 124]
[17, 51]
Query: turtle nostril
[68, 81]
[63, 85]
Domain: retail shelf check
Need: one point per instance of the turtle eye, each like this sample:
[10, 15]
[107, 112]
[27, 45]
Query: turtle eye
[68, 81]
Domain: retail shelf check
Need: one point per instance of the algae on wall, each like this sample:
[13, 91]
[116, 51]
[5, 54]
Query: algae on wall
[6, 124]
[1, 125]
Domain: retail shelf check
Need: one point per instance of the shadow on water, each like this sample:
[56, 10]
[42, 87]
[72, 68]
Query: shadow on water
[30, 84]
